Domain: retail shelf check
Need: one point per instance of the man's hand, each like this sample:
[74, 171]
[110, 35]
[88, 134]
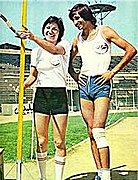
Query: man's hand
[104, 77]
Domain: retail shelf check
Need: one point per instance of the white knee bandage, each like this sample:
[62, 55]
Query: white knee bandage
[99, 136]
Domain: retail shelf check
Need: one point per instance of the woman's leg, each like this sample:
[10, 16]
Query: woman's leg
[59, 132]
[41, 125]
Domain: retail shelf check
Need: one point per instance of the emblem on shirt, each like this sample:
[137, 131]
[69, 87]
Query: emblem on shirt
[101, 47]
[55, 62]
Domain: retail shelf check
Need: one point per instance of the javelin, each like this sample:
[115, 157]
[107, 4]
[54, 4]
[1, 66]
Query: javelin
[9, 25]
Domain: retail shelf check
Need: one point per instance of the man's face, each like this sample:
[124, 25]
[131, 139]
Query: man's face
[51, 32]
[78, 21]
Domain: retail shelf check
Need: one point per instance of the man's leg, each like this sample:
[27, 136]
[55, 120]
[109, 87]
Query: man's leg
[101, 106]
[87, 110]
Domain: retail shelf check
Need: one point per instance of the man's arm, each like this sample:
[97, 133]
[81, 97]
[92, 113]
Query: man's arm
[73, 53]
[130, 50]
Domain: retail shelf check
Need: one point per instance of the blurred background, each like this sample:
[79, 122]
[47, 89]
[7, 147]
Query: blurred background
[121, 15]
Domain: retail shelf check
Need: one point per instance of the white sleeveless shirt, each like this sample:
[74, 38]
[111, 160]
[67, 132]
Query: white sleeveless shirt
[95, 53]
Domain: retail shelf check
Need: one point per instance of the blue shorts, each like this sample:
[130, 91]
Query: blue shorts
[50, 101]
[93, 91]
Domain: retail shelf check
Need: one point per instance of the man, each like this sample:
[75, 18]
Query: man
[93, 44]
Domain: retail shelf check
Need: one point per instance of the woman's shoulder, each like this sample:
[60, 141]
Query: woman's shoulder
[37, 49]
[64, 42]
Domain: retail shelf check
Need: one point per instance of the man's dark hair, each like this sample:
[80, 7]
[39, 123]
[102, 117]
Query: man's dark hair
[84, 11]
[59, 22]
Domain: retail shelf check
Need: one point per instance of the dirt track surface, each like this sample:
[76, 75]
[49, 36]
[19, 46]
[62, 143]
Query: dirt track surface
[123, 140]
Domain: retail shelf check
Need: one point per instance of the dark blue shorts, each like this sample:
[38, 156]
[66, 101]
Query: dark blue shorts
[50, 101]
[93, 91]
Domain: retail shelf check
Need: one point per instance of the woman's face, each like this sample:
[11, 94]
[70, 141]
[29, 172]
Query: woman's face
[78, 21]
[51, 32]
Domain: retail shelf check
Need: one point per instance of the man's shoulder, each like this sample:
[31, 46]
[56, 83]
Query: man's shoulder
[103, 27]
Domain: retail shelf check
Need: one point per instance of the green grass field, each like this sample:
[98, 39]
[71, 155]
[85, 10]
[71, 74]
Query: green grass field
[76, 132]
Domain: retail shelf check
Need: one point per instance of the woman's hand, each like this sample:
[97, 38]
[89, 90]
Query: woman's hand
[26, 34]
[17, 90]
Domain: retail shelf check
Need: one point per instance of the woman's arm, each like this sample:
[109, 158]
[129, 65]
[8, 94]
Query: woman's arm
[30, 80]
[50, 47]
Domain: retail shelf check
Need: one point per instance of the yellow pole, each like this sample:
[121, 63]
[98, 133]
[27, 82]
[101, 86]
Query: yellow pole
[21, 94]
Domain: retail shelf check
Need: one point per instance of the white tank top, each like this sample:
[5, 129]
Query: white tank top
[95, 53]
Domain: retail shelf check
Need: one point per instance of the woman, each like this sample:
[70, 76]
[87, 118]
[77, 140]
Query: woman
[49, 67]
[94, 46]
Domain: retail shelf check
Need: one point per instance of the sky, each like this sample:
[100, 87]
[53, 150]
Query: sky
[124, 20]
